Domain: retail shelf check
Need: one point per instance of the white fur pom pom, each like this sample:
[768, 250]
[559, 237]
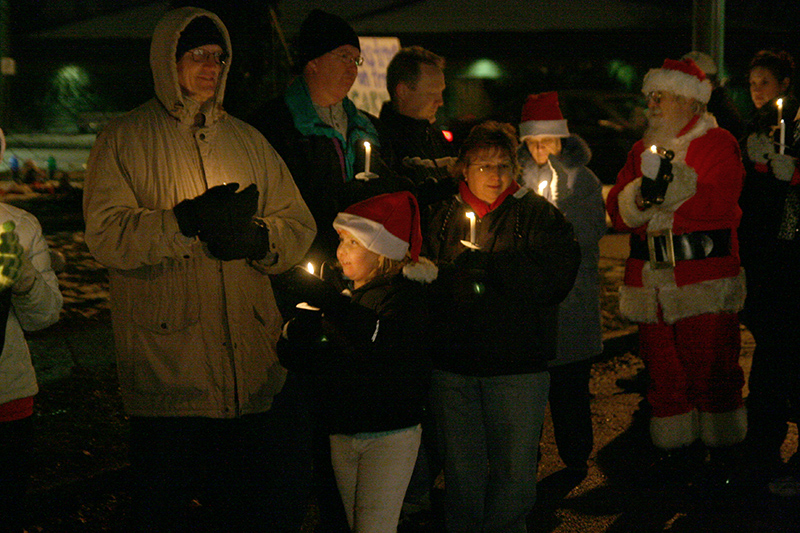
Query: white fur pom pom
[423, 271]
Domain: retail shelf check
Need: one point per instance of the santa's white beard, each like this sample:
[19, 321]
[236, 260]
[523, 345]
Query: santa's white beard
[660, 130]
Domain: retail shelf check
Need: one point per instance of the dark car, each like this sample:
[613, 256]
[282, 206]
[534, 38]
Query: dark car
[609, 122]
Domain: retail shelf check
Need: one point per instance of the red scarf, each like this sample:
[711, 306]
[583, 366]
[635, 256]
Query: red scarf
[480, 207]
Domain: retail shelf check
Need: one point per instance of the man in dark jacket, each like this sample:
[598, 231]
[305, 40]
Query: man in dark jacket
[320, 134]
[323, 138]
[420, 152]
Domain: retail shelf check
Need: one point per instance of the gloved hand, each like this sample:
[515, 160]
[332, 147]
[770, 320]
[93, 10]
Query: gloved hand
[651, 162]
[15, 272]
[783, 166]
[473, 262]
[313, 290]
[467, 276]
[250, 241]
[759, 146]
[217, 210]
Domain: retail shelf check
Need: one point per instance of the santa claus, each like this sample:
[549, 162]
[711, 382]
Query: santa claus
[683, 281]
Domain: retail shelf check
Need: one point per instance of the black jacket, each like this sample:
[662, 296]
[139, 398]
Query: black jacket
[494, 311]
[420, 153]
[318, 165]
[367, 360]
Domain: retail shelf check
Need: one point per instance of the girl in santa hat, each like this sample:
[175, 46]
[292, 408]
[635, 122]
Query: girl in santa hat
[362, 336]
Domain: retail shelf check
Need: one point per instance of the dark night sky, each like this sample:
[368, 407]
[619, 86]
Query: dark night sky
[28, 15]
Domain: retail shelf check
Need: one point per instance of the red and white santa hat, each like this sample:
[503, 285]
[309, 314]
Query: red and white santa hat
[682, 77]
[541, 117]
[387, 224]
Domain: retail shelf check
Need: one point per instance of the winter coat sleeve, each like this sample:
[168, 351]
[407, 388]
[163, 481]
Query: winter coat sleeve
[542, 272]
[290, 223]
[360, 340]
[625, 178]
[120, 232]
[41, 306]
[586, 202]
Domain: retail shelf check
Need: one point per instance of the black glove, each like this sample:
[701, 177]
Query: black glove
[313, 290]
[250, 241]
[217, 210]
[466, 277]
[473, 262]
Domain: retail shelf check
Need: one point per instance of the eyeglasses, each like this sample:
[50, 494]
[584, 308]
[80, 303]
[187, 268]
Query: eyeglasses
[656, 96]
[346, 59]
[503, 169]
[201, 55]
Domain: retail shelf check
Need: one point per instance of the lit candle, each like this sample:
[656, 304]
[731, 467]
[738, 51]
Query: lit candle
[368, 150]
[654, 149]
[783, 136]
[310, 268]
[471, 217]
[780, 110]
[542, 187]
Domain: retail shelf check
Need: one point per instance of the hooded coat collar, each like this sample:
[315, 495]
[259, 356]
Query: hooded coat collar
[165, 71]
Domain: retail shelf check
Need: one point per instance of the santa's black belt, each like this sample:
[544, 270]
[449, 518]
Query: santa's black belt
[662, 249]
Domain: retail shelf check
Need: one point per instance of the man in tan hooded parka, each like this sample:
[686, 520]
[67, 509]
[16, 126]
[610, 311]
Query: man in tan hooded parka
[194, 317]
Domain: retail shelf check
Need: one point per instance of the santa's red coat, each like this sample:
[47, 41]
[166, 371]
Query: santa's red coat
[709, 177]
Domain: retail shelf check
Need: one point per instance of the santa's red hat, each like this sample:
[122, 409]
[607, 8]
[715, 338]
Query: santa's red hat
[682, 77]
[387, 224]
[541, 117]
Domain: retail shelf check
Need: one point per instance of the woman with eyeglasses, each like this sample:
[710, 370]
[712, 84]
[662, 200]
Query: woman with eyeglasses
[554, 165]
[506, 258]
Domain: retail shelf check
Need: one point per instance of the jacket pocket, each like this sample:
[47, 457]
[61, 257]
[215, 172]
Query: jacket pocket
[165, 298]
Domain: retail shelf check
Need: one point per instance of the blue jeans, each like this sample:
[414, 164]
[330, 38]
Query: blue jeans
[489, 429]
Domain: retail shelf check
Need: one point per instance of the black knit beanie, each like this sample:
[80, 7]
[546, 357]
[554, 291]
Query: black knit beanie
[320, 33]
[199, 32]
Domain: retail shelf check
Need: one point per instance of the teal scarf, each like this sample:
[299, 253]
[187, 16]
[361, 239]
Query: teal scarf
[308, 123]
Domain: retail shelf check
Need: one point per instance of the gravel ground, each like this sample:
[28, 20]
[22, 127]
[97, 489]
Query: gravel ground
[80, 478]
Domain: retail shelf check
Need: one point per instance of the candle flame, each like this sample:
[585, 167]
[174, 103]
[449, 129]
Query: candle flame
[310, 268]
[542, 186]
[366, 145]
[654, 149]
[780, 103]
[470, 215]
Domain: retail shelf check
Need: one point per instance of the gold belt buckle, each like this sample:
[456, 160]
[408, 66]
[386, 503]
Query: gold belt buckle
[669, 260]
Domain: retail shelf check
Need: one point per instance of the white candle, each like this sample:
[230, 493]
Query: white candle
[783, 136]
[368, 150]
[542, 187]
[310, 268]
[471, 217]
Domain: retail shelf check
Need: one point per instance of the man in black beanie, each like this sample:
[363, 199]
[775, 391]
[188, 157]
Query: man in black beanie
[200, 31]
[318, 131]
[321, 136]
